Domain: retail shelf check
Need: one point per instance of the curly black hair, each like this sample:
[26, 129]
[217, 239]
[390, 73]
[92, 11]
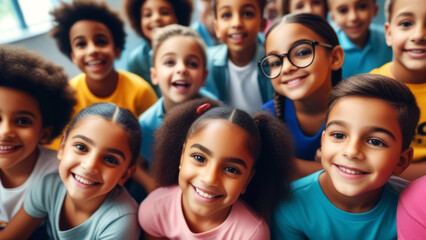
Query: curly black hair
[67, 14]
[132, 8]
[31, 73]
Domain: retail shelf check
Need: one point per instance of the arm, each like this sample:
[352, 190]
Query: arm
[414, 170]
[305, 168]
[21, 226]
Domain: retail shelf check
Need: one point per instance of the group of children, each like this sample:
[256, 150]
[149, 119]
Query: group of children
[256, 137]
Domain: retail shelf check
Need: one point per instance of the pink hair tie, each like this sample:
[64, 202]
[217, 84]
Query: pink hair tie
[203, 108]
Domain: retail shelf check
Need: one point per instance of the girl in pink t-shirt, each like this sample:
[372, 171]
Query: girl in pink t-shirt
[222, 173]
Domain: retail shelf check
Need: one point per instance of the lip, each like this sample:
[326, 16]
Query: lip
[237, 37]
[181, 85]
[416, 53]
[294, 82]
[205, 195]
[7, 148]
[350, 172]
[84, 181]
[95, 65]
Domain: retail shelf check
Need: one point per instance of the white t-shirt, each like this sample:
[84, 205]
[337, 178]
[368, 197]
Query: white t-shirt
[11, 199]
[244, 87]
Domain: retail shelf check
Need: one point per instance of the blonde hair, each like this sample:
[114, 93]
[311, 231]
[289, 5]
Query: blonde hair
[173, 30]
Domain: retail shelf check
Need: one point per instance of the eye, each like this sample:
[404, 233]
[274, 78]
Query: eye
[169, 62]
[225, 15]
[23, 121]
[199, 158]
[317, 3]
[299, 6]
[248, 14]
[338, 135]
[363, 6]
[193, 64]
[165, 12]
[342, 10]
[80, 44]
[111, 160]
[146, 14]
[80, 147]
[232, 170]
[406, 24]
[376, 142]
[102, 42]
[303, 52]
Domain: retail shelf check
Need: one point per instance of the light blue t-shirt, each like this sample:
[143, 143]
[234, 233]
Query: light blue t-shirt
[374, 54]
[308, 214]
[116, 218]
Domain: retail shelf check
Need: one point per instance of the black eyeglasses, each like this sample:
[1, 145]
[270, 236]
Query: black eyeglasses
[300, 55]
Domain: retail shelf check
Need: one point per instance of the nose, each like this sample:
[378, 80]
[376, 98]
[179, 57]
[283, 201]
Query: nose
[287, 67]
[6, 129]
[419, 34]
[353, 15]
[90, 163]
[353, 149]
[93, 48]
[181, 68]
[156, 16]
[308, 8]
[236, 21]
[210, 175]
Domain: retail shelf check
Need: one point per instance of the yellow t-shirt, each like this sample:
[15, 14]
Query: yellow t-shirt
[132, 92]
[419, 91]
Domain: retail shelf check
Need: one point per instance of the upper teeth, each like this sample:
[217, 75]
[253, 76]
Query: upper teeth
[2, 148]
[94, 62]
[349, 171]
[237, 35]
[203, 194]
[83, 180]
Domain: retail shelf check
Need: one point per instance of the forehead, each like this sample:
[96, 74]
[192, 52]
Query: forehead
[152, 4]
[89, 27]
[188, 45]
[335, 3]
[409, 7]
[16, 100]
[237, 4]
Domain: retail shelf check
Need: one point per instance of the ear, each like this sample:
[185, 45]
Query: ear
[216, 29]
[153, 73]
[337, 57]
[73, 58]
[128, 173]
[46, 132]
[388, 35]
[248, 181]
[117, 53]
[404, 161]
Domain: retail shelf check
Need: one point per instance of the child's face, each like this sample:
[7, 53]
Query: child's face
[21, 130]
[271, 10]
[238, 23]
[95, 157]
[179, 71]
[361, 146]
[206, 12]
[298, 83]
[316, 7]
[216, 167]
[156, 14]
[353, 17]
[406, 33]
[93, 49]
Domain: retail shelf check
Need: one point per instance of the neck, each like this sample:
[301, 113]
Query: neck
[105, 87]
[404, 75]
[242, 58]
[353, 204]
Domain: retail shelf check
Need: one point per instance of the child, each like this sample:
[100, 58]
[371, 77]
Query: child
[317, 7]
[180, 73]
[410, 213]
[145, 16]
[370, 123]
[363, 42]
[36, 102]
[271, 13]
[205, 158]
[233, 75]
[97, 153]
[205, 24]
[303, 66]
[92, 36]
[406, 34]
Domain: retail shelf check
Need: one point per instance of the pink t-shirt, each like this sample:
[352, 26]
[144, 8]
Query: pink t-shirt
[411, 211]
[161, 215]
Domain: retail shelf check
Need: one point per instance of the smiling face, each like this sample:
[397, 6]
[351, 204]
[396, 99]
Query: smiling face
[95, 157]
[361, 147]
[93, 49]
[21, 130]
[156, 14]
[353, 17]
[316, 7]
[179, 71]
[406, 33]
[216, 166]
[238, 23]
[299, 83]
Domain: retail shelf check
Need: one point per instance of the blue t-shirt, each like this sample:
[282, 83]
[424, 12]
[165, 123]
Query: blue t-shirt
[305, 147]
[308, 214]
[116, 218]
[374, 54]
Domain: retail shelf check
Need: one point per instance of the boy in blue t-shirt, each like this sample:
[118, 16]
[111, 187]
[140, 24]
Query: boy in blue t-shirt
[369, 127]
[363, 42]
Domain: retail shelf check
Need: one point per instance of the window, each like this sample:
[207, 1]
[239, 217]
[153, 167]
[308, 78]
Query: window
[24, 18]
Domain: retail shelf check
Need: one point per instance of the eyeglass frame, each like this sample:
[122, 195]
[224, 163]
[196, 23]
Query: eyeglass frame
[281, 56]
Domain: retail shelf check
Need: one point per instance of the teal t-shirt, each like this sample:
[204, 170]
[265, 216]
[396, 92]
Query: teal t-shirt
[310, 215]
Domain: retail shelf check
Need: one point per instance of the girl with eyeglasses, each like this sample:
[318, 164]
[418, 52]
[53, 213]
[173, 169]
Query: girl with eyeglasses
[303, 60]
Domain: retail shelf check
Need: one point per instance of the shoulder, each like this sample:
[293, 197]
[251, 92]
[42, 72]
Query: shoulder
[217, 55]
[79, 79]
[132, 79]
[120, 201]
[383, 70]
[253, 226]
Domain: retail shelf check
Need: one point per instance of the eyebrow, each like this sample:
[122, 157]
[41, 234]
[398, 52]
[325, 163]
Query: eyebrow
[228, 160]
[26, 113]
[371, 129]
[291, 45]
[244, 6]
[405, 14]
[111, 150]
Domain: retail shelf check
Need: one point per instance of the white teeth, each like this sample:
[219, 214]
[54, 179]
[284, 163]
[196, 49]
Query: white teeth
[349, 171]
[293, 81]
[4, 148]
[203, 194]
[94, 62]
[417, 51]
[237, 35]
[83, 180]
